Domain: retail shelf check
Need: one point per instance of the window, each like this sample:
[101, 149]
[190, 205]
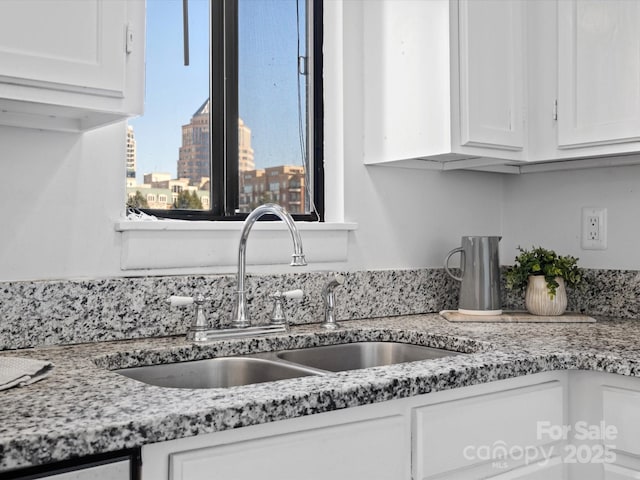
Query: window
[229, 138]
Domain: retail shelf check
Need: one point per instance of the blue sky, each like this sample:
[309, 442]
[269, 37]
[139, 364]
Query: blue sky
[268, 76]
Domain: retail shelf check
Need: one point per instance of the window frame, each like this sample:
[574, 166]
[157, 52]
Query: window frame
[224, 194]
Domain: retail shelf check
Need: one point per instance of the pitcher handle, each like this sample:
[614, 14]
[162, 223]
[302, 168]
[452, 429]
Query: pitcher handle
[446, 262]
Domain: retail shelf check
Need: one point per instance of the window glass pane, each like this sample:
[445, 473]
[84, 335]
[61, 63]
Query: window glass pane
[168, 148]
[272, 103]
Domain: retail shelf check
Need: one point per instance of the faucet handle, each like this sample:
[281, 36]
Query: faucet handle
[178, 301]
[336, 281]
[278, 314]
[297, 294]
[197, 330]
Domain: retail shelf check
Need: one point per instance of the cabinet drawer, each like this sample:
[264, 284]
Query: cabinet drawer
[620, 409]
[371, 449]
[476, 430]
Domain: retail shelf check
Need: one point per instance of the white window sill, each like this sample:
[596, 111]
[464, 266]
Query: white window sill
[170, 244]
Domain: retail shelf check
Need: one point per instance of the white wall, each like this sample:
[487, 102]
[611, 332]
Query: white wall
[63, 192]
[545, 209]
[406, 218]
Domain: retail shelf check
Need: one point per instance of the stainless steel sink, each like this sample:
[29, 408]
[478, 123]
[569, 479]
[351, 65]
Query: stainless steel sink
[352, 356]
[215, 372]
[225, 372]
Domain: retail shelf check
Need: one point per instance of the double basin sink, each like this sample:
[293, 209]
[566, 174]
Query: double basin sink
[226, 372]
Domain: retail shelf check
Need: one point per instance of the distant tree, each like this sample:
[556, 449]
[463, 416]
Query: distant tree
[138, 201]
[188, 201]
[266, 197]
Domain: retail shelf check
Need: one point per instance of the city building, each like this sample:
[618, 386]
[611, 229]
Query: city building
[245, 152]
[155, 177]
[131, 157]
[160, 191]
[193, 156]
[284, 184]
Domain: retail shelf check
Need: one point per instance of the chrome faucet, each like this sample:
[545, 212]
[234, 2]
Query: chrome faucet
[241, 323]
[240, 316]
[329, 302]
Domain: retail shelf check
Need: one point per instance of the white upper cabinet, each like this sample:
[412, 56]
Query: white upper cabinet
[443, 81]
[498, 84]
[70, 65]
[584, 82]
[491, 89]
[598, 72]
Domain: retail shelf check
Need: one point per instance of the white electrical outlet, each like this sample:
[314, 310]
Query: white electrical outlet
[594, 228]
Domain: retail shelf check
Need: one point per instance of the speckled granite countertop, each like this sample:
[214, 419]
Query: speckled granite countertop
[83, 408]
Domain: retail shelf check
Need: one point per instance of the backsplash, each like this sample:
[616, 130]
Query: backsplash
[611, 293]
[64, 312]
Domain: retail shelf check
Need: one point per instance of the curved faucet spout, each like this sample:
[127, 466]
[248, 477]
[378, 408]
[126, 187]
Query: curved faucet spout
[241, 317]
[329, 302]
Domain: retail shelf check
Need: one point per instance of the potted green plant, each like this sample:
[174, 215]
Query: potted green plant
[544, 274]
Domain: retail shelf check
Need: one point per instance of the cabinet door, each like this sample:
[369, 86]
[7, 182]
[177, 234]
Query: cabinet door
[551, 470]
[109, 471]
[598, 72]
[485, 431]
[617, 472]
[620, 412]
[491, 60]
[621, 427]
[70, 46]
[371, 449]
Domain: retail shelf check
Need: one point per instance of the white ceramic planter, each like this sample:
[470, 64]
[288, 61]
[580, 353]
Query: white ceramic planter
[539, 302]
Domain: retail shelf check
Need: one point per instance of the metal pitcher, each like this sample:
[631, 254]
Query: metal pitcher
[480, 280]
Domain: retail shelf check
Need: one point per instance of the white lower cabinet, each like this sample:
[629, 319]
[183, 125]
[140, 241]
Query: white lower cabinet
[617, 472]
[546, 470]
[622, 416]
[571, 425]
[369, 449]
[111, 471]
[489, 433]
[605, 417]
[381, 441]
[621, 428]
[365, 443]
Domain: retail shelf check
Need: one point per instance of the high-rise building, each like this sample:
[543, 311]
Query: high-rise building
[245, 152]
[131, 157]
[193, 159]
